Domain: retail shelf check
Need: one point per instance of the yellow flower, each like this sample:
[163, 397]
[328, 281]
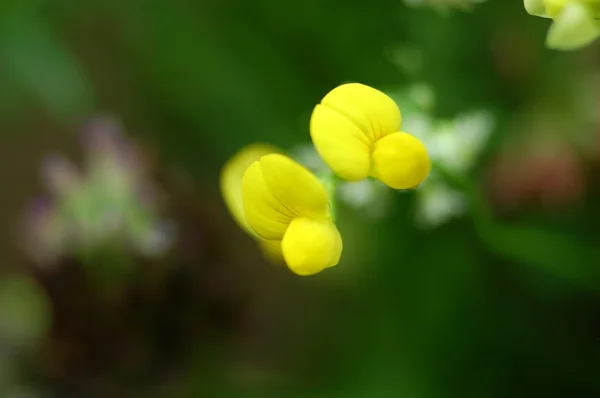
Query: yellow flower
[356, 130]
[231, 190]
[575, 21]
[286, 204]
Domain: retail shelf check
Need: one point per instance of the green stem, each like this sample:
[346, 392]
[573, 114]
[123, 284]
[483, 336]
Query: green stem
[330, 182]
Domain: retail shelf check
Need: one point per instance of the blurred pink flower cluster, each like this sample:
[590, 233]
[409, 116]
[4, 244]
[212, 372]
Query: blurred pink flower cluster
[110, 202]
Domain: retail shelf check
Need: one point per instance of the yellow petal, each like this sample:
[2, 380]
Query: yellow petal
[573, 28]
[265, 214]
[271, 249]
[231, 180]
[340, 143]
[400, 161]
[373, 112]
[310, 246]
[347, 123]
[296, 189]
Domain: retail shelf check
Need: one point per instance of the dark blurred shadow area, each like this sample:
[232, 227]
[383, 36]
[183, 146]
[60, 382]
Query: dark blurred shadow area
[125, 275]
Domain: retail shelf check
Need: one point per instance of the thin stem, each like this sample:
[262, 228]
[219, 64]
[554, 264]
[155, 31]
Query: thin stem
[330, 182]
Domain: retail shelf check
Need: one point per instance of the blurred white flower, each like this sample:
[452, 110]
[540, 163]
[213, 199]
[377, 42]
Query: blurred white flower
[418, 124]
[454, 144]
[371, 197]
[422, 95]
[438, 203]
[307, 155]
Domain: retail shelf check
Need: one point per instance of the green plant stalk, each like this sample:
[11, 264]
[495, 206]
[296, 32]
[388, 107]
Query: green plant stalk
[330, 182]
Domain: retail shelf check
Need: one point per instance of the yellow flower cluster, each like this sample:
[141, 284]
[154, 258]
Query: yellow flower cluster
[287, 209]
[356, 130]
[575, 22]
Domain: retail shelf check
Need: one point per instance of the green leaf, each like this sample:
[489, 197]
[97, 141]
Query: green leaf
[36, 59]
[556, 253]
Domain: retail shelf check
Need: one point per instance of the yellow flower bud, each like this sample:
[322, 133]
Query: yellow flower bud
[284, 202]
[309, 246]
[356, 130]
[231, 190]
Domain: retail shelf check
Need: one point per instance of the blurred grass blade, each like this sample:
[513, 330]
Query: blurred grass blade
[34, 58]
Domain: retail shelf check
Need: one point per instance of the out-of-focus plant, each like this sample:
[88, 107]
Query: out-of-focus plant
[356, 131]
[109, 207]
[575, 22]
